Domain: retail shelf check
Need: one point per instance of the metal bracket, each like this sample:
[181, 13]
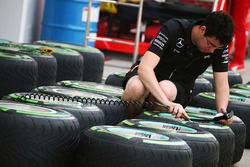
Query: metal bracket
[137, 38]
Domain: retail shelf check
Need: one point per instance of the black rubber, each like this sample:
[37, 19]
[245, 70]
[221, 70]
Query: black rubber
[17, 72]
[93, 59]
[223, 134]
[115, 79]
[114, 112]
[239, 104]
[242, 86]
[204, 146]
[113, 146]
[242, 111]
[233, 78]
[93, 87]
[47, 68]
[238, 127]
[88, 115]
[35, 136]
[47, 65]
[202, 85]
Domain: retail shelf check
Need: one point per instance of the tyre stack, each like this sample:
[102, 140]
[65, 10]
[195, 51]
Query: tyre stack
[114, 110]
[238, 102]
[18, 73]
[233, 77]
[223, 134]
[112, 146]
[93, 59]
[69, 62]
[37, 136]
[46, 63]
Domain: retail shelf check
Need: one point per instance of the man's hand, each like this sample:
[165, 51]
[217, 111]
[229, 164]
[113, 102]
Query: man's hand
[177, 110]
[225, 122]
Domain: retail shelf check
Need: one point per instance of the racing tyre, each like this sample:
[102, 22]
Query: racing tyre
[204, 146]
[88, 115]
[93, 59]
[46, 63]
[115, 79]
[112, 146]
[242, 86]
[223, 134]
[233, 77]
[202, 85]
[242, 111]
[93, 87]
[36, 136]
[17, 73]
[239, 104]
[113, 109]
[238, 127]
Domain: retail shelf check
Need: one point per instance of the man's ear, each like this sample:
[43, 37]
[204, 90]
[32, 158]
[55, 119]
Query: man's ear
[203, 29]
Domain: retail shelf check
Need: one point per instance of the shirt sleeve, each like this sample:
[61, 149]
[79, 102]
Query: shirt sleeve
[220, 63]
[161, 42]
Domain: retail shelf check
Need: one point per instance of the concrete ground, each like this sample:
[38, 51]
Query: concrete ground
[119, 62]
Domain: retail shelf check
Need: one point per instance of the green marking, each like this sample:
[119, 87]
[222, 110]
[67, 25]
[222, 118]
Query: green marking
[4, 109]
[243, 86]
[69, 46]
[209, 126]
[44, 112]
[207, 135]
[128, 123]
[205, 95]
[52, 103]
[11, 56]
[120, 74]
[200, 115]
[147, 113]
[175, 143]
[90, 89]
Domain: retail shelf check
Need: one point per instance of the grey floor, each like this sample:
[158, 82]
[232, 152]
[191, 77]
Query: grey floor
[120, 62]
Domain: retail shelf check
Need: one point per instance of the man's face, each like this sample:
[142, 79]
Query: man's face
[207, 44]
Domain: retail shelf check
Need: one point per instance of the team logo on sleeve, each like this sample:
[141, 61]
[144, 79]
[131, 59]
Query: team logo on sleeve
[160, 40]
[180, 42]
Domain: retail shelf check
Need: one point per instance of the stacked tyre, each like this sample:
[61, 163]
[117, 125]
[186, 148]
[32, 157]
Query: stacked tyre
[237, 103]
[114, 110]
[223, 134]
[112, 146]
[37, 136]
[17, 72]
[93, 59]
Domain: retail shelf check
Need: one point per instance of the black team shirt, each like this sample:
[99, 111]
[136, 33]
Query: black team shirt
[180, 60]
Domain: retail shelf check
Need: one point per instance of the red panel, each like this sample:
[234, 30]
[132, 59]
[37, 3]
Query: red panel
[113, 46]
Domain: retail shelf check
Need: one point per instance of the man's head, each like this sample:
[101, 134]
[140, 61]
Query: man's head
[216, 31]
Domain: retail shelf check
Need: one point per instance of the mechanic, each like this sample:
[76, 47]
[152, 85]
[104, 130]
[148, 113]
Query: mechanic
[182, 50]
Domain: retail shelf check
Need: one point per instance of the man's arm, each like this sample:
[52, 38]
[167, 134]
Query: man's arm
[221, 90]
[148, 78]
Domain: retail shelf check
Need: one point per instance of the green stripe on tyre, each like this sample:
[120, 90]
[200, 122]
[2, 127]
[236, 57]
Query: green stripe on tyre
[94, 88]
[242, 86]
[120, 74]
[198, 110]
[68, 46]
[14, 56]
[129, 133]
[211, 95]
[56, 50]
[240, 92]
[31, 99]
[31, 110]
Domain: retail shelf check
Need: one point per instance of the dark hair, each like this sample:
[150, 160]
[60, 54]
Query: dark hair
[220, 25]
